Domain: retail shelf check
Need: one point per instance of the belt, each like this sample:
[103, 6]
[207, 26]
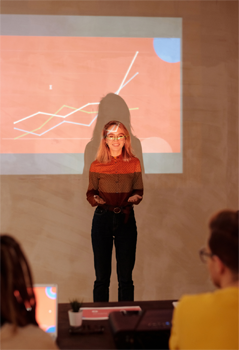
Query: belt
[118, 210]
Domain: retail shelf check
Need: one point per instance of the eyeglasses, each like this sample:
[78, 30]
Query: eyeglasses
[204, 255]
[112, 138]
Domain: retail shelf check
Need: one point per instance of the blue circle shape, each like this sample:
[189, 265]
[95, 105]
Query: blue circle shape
[50, 293]
[51, 329]
[168, 49]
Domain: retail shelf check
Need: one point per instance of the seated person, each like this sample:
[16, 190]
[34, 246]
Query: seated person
[210, 320]
[19, 328]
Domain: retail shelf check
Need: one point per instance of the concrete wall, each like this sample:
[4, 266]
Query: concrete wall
[49, 214]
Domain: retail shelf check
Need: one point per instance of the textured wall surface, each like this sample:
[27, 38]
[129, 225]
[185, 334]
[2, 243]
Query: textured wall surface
[49, 214]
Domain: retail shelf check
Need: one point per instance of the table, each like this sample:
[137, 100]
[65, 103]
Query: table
[105, 340]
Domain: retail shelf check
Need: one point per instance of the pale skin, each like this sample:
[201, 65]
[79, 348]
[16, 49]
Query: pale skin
[220, 274]
[116, 145]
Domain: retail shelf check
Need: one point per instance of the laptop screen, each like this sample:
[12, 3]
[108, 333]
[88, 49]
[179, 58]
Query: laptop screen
[47, 307]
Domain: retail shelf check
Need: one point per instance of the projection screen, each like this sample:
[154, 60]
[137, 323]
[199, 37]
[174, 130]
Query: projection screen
[56, 69]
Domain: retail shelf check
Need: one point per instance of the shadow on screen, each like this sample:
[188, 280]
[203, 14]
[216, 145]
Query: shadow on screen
[112, 107]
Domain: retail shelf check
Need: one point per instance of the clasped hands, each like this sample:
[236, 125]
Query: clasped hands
[131, 199]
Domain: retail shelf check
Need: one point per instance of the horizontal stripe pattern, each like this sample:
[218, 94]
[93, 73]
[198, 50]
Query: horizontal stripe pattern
[115, 181]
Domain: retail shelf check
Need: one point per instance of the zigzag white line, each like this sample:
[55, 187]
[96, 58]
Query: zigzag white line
[57, 115]
[88, 104]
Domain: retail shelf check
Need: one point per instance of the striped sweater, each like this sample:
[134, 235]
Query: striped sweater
[115, 181]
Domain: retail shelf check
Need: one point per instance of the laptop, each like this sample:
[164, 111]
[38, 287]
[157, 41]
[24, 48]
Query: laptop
[47, 307]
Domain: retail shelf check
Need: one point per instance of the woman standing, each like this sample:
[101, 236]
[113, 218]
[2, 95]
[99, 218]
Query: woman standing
[115, 184]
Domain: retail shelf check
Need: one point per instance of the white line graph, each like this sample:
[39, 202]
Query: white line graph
[122, 85]
[127, 72]
[57, 115]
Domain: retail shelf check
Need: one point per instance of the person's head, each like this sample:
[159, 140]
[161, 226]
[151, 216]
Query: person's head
[18, 302]
[115, 141]
[222, 248]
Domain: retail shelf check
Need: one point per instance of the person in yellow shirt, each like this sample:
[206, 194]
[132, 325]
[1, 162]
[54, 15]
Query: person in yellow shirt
[210, 320]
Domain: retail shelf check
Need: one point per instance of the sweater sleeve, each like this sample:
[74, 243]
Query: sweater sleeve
[93, 187]
[138, 182]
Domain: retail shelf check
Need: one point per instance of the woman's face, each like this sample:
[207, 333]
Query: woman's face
[115, 140]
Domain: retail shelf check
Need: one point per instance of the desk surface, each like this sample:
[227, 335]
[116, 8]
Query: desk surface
[105, 340]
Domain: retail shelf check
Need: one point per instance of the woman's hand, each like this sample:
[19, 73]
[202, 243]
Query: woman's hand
[134, 198]
[99, 200]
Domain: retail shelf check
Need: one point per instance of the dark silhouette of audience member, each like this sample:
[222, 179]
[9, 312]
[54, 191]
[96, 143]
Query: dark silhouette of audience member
[19, 328]
[111, 107]
[210, 320]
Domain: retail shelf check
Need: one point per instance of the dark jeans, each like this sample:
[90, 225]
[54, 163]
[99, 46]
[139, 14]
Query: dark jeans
[109, 227]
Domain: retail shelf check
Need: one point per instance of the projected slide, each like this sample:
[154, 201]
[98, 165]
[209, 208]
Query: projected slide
[51, 89]
[46, 308]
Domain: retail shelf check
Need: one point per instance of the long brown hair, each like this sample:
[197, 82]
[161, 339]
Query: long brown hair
[103, 154]
[18, 303]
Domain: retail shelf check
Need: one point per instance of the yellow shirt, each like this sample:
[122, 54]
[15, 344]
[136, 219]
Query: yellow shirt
[206, 321]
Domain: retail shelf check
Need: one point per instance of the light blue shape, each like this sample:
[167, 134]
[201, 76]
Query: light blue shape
[51, 329]
[168, 49]
[50, 293]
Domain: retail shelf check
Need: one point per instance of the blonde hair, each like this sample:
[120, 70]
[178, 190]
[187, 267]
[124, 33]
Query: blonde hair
[103, 153]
